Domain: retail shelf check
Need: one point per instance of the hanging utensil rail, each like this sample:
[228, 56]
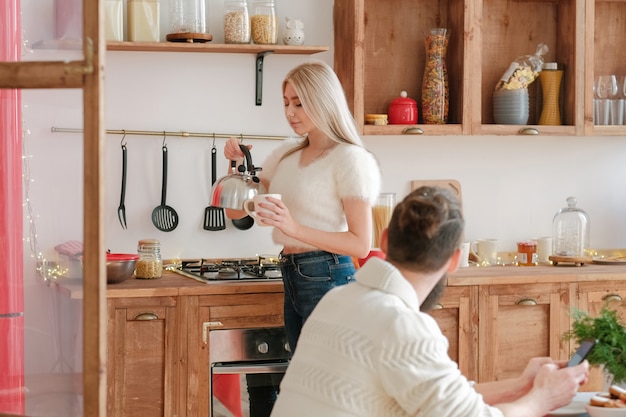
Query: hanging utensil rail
[162, 133]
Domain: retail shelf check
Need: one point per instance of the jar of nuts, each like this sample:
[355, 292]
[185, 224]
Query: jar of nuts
[236, 22]
[149, 265]
[264, 23]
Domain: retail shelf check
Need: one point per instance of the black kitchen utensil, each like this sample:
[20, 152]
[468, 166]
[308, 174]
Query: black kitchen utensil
[164, 217]
[121, 210]
[244, 223]
[214, 217]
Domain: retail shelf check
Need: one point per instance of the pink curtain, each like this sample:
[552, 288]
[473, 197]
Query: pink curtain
[11, 267]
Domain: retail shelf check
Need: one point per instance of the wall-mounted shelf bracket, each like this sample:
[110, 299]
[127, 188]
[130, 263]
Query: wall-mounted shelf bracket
[259, 76]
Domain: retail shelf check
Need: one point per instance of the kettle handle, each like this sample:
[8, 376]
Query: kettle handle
[250, 166]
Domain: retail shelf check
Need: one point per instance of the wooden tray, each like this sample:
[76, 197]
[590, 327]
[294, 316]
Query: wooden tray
[569, 260]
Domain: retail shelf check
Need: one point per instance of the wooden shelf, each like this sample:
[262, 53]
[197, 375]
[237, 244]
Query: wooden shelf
[213, 48]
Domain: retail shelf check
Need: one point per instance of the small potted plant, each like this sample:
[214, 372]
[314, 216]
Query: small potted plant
[610, 351]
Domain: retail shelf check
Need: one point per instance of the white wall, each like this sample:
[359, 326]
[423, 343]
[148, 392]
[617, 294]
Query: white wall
[512, 186]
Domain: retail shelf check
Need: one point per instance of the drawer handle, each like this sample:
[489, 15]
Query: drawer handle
[526, 302]
[612, 297]
[528, 131]
[146, 316]
[412, 131]
[438, 306]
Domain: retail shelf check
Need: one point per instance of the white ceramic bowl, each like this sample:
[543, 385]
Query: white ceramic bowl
[594, 411]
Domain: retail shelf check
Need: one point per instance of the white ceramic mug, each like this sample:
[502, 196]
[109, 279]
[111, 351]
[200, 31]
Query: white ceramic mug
[252, 206]
[486, 250]
[465, 250]
[544, 249]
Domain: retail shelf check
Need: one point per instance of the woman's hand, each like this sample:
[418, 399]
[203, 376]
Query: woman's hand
[277, 214]
[232, 151]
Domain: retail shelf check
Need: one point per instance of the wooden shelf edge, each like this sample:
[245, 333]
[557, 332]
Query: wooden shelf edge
[213, 48]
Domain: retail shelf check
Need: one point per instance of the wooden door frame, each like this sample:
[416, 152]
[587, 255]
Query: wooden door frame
[87, 75]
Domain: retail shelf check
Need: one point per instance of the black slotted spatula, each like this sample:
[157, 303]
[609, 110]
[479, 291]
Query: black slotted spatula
[214, 217]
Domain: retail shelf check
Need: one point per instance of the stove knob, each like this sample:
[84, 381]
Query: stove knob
[263, 347]
[287, 347]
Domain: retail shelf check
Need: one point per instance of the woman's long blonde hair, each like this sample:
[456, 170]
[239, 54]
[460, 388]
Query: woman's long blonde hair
[324, 101]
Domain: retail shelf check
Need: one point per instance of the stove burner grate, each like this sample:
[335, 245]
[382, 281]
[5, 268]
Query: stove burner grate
[233, 269]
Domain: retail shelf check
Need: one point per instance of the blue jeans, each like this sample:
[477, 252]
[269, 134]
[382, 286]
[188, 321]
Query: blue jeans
[307, 277]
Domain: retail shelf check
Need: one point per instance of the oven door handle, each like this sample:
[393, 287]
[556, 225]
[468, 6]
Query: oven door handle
[252, 368]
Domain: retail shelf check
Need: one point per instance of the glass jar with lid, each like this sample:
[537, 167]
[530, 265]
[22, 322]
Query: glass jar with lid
[236, 22]
[264, 23]
[149, 265]
[188, 21]
[570, 229]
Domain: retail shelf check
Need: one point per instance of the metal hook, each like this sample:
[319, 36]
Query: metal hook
[123, 141]
[213, 139]
[164, 137]
[241, 138]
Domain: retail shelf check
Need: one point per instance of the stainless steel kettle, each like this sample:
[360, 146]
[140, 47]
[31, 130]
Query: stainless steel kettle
[231, 191]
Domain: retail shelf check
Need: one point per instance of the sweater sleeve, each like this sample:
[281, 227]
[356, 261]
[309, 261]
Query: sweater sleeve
[357, 174]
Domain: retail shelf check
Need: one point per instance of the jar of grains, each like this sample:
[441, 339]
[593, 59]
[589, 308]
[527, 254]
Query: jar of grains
[264, 23]
[149, 265]
[236, 22]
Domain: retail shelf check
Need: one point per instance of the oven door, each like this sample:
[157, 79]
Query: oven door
[230, 382]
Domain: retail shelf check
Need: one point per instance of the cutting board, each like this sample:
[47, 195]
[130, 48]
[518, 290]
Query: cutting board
[452, 185]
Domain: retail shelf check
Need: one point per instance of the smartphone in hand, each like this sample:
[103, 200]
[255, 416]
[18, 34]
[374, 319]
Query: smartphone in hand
[581, 353]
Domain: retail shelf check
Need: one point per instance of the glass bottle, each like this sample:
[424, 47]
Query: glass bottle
[570, 228]
[236, 22]
[435, 89]
[264, 23]
[149, 265]
[550, 79]
[143, 20]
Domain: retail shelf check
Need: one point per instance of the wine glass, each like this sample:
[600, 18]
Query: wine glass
[606, 87]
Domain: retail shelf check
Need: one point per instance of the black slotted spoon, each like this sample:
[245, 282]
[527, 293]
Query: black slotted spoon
[214, 217]
[164, 217]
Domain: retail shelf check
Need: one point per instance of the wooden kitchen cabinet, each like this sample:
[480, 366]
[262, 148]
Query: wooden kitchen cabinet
[143, 347]
[518, 322]
[379, 51]
[457, 316]
[591, 297]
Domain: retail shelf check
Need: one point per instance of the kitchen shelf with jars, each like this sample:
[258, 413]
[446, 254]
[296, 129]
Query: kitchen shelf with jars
[213, 47]
[381, 51]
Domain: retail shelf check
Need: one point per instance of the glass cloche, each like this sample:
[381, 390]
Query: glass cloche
[570, 230]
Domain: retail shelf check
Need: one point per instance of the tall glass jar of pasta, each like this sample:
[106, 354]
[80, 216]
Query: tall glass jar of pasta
[264, 23]
[435, 90]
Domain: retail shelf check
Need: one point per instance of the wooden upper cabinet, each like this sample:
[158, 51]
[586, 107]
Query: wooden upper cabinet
[380, 51]
[604, 56]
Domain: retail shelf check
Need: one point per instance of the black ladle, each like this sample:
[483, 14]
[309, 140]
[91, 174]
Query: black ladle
[164, 217]
[244, 223]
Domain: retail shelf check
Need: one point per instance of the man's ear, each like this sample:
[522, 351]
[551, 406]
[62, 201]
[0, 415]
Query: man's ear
[455, 261]
[384, 236]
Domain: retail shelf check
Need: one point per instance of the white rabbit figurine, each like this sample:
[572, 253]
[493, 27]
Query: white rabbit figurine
[294, 33]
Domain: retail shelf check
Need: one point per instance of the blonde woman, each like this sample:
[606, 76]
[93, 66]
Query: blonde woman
[328, 182]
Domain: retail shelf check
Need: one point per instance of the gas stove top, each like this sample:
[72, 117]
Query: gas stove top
[231, 269]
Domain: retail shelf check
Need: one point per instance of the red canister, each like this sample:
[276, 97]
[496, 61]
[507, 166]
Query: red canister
[402, 110]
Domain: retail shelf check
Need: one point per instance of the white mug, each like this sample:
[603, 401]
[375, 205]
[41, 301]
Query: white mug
[465, 250]
[251, 206]
[544, 249]
[486, 250]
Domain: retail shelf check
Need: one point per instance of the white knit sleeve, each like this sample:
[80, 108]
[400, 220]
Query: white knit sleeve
[357, 174]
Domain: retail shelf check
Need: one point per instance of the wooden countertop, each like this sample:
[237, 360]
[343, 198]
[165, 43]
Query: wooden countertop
[170, 284]
[536, 274]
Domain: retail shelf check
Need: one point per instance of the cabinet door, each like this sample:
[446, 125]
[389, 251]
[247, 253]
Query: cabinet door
[457, 315]
[519, 322]
[592, 296]
[142, 357]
